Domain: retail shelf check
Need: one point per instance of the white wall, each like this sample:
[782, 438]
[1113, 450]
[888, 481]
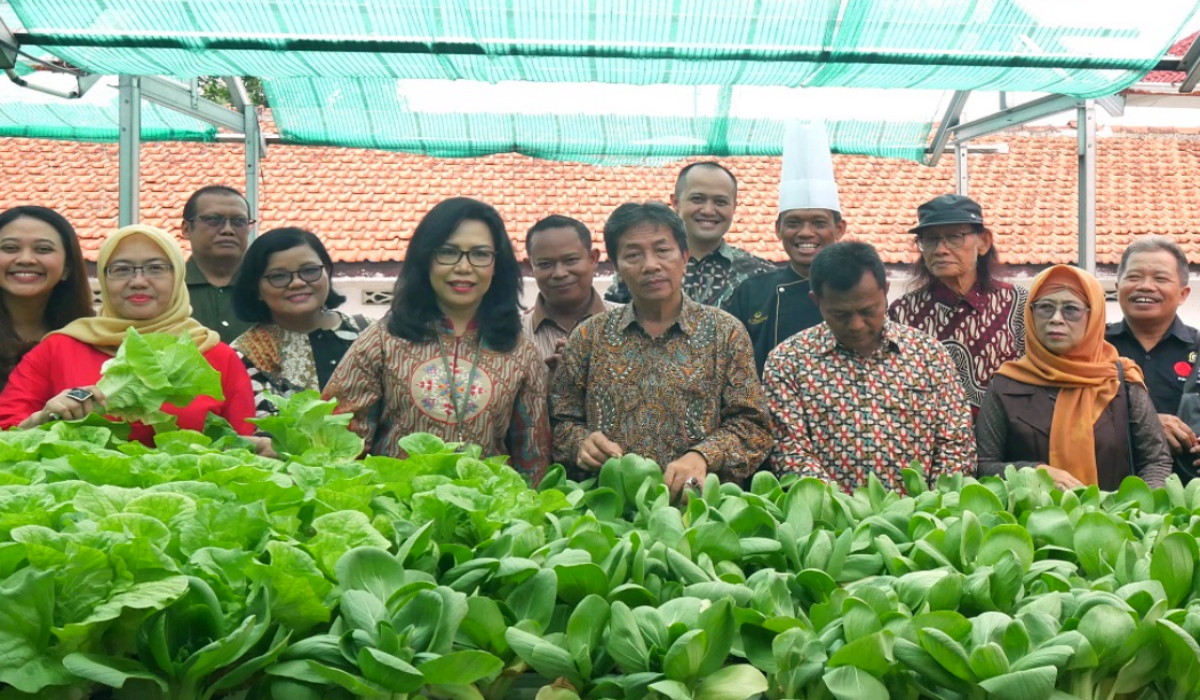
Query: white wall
[358, 290]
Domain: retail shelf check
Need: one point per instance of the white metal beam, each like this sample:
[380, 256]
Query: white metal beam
[1190, 65]
[181, 99]
[129, 148]
[255, 147]
[1086, 124]
[8, 47]
[962, 177]
[1014, 116]
[949, 120]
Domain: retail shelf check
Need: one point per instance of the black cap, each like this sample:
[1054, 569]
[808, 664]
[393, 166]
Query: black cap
[948, 209]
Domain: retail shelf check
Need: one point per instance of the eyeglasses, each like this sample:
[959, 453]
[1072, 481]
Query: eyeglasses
[128, 272]
[1046, 310]
[216, 221]
[281, 278]
[953, 241]
[478, 257]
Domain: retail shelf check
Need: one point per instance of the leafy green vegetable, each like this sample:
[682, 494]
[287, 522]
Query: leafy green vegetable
[153, 369]
[199, 570]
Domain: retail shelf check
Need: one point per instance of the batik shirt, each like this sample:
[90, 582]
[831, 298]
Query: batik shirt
[840, 416]
[981, 330]
[691, 389]
[395, 387]
[285, 362]
[709, 280]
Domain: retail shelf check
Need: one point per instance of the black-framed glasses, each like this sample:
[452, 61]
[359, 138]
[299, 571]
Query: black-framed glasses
[282, 278]
[953, 241]
[1046, 310]
[216, 221]
[478, 257]
[121, 271]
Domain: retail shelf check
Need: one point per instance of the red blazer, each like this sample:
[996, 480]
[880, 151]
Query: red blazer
[61, 362]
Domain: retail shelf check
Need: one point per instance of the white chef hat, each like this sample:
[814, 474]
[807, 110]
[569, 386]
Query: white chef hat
[806, 180]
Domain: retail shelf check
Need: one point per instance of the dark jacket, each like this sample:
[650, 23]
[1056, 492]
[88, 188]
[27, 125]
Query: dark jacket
[773, 307]
[1014, 428]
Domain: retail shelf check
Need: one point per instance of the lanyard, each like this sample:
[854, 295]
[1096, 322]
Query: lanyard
[460, 407]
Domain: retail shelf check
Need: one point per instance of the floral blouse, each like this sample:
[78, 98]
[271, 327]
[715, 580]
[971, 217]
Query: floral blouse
[285, 362]
[453, 388]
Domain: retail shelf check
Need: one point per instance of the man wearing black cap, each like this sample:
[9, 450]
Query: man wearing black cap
[956, 297]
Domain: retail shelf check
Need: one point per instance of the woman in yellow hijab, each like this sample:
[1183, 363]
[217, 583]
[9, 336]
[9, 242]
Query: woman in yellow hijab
[141, 271]
[1070, 405]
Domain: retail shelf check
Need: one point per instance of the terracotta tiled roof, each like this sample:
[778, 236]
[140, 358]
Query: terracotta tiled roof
[365, 204]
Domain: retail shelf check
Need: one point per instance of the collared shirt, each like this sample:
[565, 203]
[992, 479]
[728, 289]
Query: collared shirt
[1166, 366]
[840, 416]
[212, 306]
[451, 388]
[709, 280]
[773, 306]
[690, 389]
[981, 330]
[545, 331]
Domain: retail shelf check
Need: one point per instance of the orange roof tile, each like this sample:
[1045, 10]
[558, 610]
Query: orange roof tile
[365, 204]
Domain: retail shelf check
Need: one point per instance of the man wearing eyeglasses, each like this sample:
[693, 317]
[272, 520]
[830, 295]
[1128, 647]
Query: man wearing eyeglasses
[955, 295]
[216, 220]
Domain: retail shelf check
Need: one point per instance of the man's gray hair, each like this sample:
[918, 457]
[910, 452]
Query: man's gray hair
[1152, 242]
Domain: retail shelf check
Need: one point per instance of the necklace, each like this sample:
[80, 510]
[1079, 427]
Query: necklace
[460, 407]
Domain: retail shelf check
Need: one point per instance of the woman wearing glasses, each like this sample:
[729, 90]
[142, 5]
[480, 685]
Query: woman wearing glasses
[450, 358]
[1070, 405]
[141, 286]
[284, 287]
[957, 298]
[43, 280]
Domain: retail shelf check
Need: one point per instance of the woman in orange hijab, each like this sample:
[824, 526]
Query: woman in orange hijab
[1062, 406]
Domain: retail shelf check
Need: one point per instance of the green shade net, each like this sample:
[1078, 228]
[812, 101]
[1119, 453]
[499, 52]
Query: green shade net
[599, 124]
[332, 67]
[29, 114]
[1073, 48]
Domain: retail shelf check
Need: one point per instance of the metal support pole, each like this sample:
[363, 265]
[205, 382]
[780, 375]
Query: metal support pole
[129, 148]
[254, 152]
[1087, 186]
[961, 176]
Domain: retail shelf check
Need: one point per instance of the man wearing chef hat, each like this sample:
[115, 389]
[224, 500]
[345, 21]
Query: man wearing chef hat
[775, 305]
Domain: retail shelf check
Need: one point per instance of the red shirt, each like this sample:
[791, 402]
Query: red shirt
[60, 362]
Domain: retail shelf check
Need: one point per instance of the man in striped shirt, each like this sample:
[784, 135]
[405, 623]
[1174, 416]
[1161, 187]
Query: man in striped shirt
[564, 261]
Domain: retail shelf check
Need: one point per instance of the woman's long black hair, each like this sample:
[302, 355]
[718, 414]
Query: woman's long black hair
[70, 299]
[415, 312]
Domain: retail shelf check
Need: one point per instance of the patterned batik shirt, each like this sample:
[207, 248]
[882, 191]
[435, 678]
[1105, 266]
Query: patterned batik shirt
[709, 280]
[395, 387]
[691, 389]
[981, 330]
[840, 416]
[285, 362]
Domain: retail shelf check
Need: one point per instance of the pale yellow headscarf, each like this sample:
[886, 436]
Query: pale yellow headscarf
[107, 330]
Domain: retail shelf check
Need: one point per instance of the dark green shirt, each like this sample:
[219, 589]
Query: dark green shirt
[212, 305]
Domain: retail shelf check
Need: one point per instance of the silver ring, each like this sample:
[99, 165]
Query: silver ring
[53, 415]
[692, 481]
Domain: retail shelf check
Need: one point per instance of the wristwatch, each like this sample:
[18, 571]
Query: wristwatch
[79, 395]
